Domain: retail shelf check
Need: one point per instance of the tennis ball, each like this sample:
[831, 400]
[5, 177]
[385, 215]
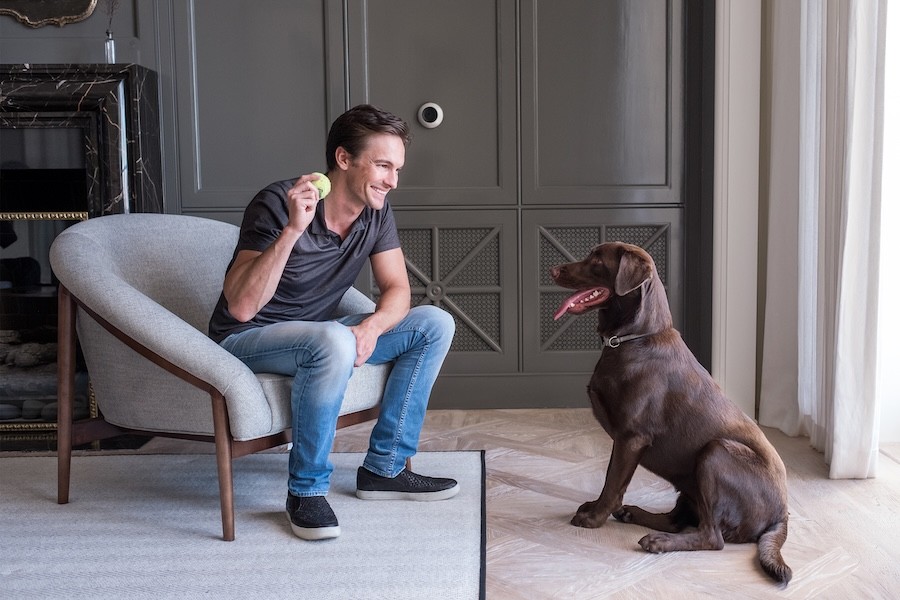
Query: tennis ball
[323, 184]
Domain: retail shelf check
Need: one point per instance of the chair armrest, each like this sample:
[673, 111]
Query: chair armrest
[152, 326]
[354, 302]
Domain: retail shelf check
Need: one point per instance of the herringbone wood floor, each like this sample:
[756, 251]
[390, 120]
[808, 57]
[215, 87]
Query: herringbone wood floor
[543, 463]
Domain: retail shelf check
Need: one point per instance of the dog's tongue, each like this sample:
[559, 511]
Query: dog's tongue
[579, 302]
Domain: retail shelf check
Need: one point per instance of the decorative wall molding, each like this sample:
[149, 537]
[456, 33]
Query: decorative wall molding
[736, 220]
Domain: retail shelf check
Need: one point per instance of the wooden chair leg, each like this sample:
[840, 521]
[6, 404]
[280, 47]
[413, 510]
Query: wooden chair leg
[224, 464]
[65, 383]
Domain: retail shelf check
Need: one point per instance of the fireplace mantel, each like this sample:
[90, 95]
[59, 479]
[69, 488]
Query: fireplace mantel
[97, 153]
[116, 105]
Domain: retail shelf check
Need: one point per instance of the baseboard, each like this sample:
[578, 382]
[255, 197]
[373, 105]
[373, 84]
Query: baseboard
[568, 390]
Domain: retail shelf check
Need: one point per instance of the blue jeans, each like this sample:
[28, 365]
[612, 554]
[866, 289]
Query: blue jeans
[319, 355]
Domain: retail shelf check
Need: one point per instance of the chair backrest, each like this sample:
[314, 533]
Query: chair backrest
[156, 278]
[179, 261]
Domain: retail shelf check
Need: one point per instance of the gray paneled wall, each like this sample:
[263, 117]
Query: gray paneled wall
[562, 128]
[551, 111]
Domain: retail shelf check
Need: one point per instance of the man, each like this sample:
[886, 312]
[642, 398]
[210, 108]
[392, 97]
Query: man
[295, 258]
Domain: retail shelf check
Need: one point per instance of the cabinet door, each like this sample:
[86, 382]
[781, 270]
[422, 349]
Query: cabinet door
[252, 93]
[552, 237]
[460, 56]
[466, 263]
[601, 102]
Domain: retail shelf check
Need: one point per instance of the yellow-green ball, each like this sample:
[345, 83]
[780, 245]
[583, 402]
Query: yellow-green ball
[323, 184]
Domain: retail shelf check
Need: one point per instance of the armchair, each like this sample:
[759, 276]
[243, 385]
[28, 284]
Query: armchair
[137, 290]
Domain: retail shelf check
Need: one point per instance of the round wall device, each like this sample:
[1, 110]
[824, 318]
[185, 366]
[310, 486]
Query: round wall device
[430, 115]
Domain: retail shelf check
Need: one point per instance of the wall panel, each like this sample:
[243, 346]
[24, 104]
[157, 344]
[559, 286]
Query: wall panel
[601, 102]
[251, 86]
[461, 56]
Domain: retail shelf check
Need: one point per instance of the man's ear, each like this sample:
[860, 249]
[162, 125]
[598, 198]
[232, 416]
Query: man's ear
[634, 270]
[342, 158]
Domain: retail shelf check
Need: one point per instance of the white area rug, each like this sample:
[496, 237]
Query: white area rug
[149, 526]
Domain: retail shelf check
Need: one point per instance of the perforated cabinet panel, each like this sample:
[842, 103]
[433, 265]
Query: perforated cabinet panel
[555, 237]
[465, 262]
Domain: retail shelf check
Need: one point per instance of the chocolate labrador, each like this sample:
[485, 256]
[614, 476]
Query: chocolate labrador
[664, 412]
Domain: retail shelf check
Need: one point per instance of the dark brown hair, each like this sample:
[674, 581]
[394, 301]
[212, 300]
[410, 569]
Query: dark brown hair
[352, 129]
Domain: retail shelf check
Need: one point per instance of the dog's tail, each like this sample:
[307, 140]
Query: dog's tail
[770, 543]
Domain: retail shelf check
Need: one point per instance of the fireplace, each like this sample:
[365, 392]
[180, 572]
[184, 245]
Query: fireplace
[76, 142]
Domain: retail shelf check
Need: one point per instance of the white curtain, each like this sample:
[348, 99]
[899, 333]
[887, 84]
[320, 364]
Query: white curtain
[820, 317]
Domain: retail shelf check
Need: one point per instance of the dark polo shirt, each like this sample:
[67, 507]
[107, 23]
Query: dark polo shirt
[321, 266]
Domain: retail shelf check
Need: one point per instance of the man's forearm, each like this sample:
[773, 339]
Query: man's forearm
[392, 306]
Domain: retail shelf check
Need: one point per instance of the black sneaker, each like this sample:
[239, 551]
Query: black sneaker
[311, 517]
[405, 486]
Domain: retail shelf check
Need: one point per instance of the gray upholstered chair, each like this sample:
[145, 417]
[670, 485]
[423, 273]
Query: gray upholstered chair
[139, 289]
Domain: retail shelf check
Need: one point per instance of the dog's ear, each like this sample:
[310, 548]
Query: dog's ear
[634, 270]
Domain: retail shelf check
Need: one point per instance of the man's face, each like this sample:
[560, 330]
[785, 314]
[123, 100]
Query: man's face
[376, 170]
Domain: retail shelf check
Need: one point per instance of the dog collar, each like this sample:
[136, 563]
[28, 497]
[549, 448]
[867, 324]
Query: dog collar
[616, 340]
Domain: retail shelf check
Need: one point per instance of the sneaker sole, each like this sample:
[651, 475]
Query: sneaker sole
[314, 533]
[417, 496]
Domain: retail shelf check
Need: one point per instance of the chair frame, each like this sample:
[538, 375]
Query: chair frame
[71, 433]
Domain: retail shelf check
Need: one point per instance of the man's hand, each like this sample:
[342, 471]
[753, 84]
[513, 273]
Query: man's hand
[302, 199]
[389, 269]
[366, 338]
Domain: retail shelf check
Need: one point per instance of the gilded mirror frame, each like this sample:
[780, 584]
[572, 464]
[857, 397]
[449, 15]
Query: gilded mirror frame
[37, 13]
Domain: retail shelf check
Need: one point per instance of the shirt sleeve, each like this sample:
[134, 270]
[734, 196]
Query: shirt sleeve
[388, 238]
[264, 218]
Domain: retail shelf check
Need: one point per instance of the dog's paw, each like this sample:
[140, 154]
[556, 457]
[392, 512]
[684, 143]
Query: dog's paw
[656, 542]
[586, 519]
[588, 516]
[624, 514]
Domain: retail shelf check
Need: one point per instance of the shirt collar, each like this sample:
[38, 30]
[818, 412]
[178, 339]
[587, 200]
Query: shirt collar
[318, 226]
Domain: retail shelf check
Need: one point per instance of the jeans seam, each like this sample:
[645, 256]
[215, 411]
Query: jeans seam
[412, 381]
[256, 355]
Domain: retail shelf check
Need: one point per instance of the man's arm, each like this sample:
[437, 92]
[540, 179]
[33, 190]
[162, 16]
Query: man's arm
[253, 278]
[389, 269]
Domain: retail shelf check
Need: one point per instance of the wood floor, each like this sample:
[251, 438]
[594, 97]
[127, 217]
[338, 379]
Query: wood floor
[542, 464]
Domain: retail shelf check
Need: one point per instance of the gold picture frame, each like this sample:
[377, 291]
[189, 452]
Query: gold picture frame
[37, 13]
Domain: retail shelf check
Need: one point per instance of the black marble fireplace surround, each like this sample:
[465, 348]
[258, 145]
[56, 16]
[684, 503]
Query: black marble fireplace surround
[117, 108]
[114, 109]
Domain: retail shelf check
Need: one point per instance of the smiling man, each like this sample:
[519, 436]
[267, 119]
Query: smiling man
[296, 256]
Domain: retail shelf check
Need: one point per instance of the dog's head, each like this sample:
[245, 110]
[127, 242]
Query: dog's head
[618, 279]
